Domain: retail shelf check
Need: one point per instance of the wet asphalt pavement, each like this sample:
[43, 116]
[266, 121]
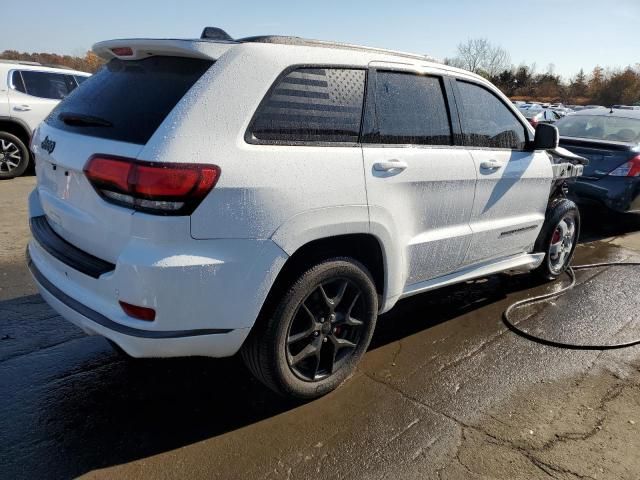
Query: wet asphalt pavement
[445, 391]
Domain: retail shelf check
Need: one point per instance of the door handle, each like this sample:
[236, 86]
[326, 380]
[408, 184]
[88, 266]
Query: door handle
[22, 108]
[491, 164]
[390, 165]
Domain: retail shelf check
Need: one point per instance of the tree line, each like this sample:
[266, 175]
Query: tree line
[599, 87]
[89, 63]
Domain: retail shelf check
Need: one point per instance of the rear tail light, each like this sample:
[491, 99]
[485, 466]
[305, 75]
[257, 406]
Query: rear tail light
[122, 51]
[628, 169]
[157, 188]
[135, 311]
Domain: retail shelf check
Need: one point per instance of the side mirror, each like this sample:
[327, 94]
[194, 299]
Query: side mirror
[547, 137]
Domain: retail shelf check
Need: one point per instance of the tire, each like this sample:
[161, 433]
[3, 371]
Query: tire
[14, 156]
[282, 348]
[560, 231]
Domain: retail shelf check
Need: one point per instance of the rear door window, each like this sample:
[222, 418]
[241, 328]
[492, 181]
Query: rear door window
[310, 105]
[409, 109]
[54, 86]
[129, 98]
[486, 121]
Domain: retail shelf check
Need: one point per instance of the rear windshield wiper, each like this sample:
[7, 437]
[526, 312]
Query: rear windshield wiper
[81, 120]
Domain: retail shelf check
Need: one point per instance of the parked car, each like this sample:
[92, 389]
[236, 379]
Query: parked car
[610, 139]
[561, 111]
[28, 92]
[626, 107]
[274, 195]
[541, 115]
[528, 107]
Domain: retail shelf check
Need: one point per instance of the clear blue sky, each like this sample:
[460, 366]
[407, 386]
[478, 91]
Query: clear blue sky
[568, 33]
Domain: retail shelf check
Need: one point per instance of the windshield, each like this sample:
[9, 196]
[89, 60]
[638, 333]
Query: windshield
[599, 127]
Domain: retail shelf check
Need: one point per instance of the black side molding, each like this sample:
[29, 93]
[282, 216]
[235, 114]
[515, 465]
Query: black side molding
[110, 324]
[59, 248]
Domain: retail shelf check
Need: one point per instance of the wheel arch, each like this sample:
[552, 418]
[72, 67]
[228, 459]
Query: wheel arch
[16, 127]
[346, 231]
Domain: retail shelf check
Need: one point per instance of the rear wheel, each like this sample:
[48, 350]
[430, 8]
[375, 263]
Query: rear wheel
[14, 156]
[558, 238]
[318, 331]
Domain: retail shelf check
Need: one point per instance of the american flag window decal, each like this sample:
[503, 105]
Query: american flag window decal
[313, 105]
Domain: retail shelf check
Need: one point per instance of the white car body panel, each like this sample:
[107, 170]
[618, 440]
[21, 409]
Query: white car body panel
[72, 206]
[510, 202]
[437, 222]
[430, 203]
[27, 109]
[4, 101]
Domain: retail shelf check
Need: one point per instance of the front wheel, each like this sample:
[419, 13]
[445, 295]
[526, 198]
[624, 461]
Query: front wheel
[558, 238]
[318, 331]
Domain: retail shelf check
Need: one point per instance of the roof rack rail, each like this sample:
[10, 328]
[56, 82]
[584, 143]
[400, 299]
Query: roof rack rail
[54, 65]
[19, 62]
[307, 42]
[218, 34]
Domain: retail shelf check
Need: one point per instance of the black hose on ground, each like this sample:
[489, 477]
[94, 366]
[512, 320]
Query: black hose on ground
[506, 316]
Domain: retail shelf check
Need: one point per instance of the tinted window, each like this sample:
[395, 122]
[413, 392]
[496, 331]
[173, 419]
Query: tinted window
[599, 127]
[410, 109]
[132, 96]
[18, 84]
[486, 121]
[312, 105]
[80, 79]
[46, 85]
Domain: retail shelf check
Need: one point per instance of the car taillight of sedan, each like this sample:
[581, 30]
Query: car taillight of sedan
[628, 169]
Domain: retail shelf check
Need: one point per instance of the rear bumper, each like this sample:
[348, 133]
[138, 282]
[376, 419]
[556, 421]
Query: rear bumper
[138, 342]
[617, 193]
[206, 293]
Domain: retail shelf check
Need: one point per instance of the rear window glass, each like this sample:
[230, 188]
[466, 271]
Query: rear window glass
[130, 98]
[410, 109]
[598, 127]
[312, 105]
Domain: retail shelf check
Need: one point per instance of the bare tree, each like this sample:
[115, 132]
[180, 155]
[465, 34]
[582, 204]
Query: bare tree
[478, 55]
[498, 60]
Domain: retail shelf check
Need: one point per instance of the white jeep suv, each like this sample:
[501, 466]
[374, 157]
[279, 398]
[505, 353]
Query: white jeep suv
[28, 93]
[274, 195]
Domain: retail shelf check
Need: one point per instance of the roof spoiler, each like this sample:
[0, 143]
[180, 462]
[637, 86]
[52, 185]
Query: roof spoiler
[139, 48]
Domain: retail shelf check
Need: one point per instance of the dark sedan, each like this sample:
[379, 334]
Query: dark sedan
[610, 139]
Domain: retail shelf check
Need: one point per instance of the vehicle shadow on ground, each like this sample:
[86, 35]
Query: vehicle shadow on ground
[599, 223]
[100, 409]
